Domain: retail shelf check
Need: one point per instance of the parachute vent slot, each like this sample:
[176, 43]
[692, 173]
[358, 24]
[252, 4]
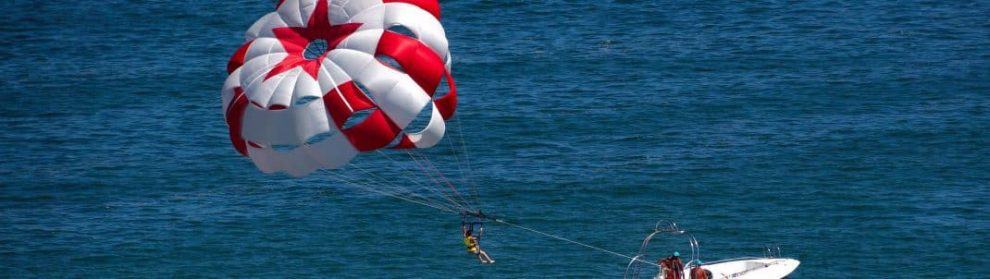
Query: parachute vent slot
[305, 100]
[402, 29]
[421, 121]
[442, 89]
[395, 142]
[315, 49]
[390, 62]
[364, 90]
[320, 137]
[284, 147]
[357, 118]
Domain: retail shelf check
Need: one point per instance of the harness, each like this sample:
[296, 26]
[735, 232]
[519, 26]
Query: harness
[473, 222]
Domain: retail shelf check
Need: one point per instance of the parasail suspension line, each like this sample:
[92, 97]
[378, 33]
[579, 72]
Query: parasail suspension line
[426, 158]
[441, 192]
[385, 181]
[467, 160]
[430, 174]
[434, 206]
[379, 190]
[410, 174]
[435, 170]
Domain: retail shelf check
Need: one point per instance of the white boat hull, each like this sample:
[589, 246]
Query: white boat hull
[751, 268]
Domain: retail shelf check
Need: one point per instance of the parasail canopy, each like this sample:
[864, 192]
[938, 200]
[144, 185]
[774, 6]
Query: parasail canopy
[319, 81]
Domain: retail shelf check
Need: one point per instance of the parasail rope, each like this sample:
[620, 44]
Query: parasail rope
[385, 181]
[440, 192]
[397, 190]
[426, 158]
[460, 167]
[435, 170]
[561, 238]
[467, 160]
[434, 206]
[395, 193]
[430, 173]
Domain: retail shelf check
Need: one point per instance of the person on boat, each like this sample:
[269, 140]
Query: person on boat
[671, 267]
[677, 265]
[473, 246]
[664, 264]
[698, 272]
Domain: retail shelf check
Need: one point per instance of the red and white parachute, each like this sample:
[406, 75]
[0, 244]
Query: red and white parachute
[313, 85]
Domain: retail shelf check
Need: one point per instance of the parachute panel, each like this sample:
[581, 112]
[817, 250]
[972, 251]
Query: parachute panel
[426, 28]
[292, 126]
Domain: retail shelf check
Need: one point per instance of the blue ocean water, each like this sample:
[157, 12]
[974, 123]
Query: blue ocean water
[854, 135]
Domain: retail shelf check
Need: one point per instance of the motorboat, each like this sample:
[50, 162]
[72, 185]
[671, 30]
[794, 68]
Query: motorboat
[647, 264]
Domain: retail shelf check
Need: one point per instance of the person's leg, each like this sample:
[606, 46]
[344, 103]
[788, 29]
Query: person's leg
[483, 256]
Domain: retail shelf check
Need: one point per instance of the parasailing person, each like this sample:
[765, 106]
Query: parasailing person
[472, 239]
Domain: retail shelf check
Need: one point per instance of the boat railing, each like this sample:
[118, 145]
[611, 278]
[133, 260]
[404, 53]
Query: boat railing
[771, 251]
[634, 267]
[662, 227]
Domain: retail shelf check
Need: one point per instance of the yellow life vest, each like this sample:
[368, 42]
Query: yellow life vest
[471, 243]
